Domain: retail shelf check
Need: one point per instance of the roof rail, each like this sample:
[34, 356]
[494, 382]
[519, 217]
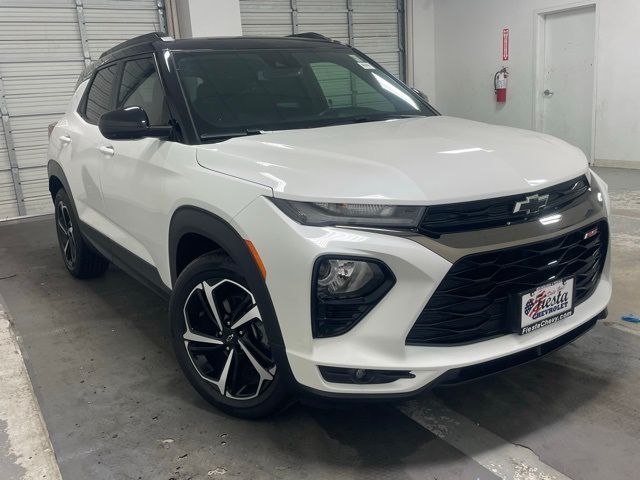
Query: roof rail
[139, 40]
[311, 35]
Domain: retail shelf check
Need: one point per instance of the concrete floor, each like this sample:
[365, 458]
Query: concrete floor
[117, 407]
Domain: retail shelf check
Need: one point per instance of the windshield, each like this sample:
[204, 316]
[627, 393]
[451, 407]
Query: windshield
[243, 92]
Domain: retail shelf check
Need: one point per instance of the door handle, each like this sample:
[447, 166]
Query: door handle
[65, 139]
[107, 150]
[548, 93]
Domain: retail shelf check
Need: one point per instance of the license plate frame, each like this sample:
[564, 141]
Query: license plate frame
[543, 305]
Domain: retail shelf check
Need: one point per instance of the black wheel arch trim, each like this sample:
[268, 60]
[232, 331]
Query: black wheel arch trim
[54, 170]
[194, 220]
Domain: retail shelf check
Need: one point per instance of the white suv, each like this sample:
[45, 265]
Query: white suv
[317, 225]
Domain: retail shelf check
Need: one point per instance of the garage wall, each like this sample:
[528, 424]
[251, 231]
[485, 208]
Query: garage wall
[374, 26]
[204, 18]
[43, 47]
[468, 53]
[421, 52]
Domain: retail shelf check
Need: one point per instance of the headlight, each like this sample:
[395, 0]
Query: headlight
[361, 214]
[344, 290]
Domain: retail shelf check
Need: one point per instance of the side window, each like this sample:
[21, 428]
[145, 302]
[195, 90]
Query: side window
[99, 96]
[342, 88]
[141, 87]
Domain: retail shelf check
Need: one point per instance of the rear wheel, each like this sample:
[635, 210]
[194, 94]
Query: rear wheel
[80, 258]
[221, 342]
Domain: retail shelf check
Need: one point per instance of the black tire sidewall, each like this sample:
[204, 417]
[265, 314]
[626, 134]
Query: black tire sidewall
[61, 196]
[89, 262]
[209, 268]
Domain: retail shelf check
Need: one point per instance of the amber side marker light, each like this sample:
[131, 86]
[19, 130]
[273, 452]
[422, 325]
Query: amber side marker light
[257, 259]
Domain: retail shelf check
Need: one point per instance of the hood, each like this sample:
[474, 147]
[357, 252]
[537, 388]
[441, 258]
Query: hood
[426, 160]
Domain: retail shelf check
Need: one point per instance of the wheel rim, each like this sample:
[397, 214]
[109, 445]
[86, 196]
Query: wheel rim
[67, 237]
[225, 340]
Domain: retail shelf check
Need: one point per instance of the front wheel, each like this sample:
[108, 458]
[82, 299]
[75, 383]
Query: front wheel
[221, 342]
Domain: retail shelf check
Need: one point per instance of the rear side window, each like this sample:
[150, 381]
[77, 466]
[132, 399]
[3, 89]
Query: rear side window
[99, 99]
[141, 87]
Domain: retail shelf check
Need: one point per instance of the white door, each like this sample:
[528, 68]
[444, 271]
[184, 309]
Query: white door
[567, 88]
[135, 173]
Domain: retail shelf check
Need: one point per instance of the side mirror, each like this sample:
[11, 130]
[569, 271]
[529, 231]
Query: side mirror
[421, 94]
[128, 124]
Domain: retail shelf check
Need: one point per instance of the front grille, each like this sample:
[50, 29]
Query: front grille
[497, 212]
[472, 301]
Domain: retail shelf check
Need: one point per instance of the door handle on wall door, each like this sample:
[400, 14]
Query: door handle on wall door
[65, 139]
[548, 93]
[107, 150]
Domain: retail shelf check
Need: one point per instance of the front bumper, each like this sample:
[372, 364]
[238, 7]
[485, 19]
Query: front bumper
[472, 372]
[289, 250]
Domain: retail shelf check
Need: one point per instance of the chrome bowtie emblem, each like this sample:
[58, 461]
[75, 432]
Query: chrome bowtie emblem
[532, 204]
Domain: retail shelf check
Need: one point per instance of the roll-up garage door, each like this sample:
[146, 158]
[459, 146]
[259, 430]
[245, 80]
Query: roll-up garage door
[372, 26]
[43, 47]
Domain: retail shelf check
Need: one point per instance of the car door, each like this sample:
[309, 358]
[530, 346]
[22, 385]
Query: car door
[81, 157]
[136, 173]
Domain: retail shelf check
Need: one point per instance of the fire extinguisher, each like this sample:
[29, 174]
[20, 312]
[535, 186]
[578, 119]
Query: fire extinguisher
[500, 84]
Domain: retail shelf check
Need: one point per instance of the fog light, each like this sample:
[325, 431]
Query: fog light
[361, 376]
[338, 277]
[344, 290]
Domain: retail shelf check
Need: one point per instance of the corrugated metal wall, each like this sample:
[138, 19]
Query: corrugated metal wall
[374, 26]
[43, 46]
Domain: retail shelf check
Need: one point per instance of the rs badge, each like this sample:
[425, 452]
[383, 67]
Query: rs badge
[591, 233]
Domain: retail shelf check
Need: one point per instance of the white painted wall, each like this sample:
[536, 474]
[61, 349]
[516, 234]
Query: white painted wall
[208, 18]
[468, 40]
[420, 40]
[618, 83]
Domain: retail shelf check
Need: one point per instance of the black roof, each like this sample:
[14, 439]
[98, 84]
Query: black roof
[155, 39]
[150, 41]
[142, 40]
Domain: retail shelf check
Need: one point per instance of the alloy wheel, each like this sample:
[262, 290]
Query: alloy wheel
[225, 339]
[67, 238]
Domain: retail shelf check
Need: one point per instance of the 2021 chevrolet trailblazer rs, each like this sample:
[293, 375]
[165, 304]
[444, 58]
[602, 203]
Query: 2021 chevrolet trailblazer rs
[317, 225]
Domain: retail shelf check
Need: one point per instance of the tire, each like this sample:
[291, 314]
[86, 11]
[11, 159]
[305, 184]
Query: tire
[80, 258]
[220, 340]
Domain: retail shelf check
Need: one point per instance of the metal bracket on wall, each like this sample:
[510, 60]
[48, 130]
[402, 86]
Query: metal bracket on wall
[350, 21]
[401, 40]
[11, 149]
[82, 25]
[162, 21]
[294, 16]
[354, 93]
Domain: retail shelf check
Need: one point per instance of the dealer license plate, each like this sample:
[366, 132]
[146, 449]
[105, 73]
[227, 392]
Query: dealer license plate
[546, 304]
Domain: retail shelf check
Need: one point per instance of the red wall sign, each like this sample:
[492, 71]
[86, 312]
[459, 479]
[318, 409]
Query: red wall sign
[505, 44]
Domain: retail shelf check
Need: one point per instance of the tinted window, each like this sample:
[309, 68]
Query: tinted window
[141, 87]
[232, 91]
[99, 99]
[342, 88]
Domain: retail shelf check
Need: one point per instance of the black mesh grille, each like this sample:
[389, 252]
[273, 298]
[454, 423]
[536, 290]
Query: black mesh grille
[496, 212]
[471, 302]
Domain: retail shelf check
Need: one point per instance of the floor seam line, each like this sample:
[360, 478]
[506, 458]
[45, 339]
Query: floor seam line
[509, 461]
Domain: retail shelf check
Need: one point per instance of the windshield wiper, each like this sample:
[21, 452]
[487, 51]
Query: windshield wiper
[227, 135]
[377, 118]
